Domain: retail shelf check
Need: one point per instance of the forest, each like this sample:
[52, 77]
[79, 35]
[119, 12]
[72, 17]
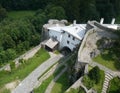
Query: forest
[17, 35]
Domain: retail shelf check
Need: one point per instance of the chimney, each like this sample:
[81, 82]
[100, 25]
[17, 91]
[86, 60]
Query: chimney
[113, 21]
[74, 22]
[102, 20]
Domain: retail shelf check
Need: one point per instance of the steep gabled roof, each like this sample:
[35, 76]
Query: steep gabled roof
[77, 30]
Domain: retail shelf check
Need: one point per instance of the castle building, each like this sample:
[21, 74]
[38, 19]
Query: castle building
[65, 36]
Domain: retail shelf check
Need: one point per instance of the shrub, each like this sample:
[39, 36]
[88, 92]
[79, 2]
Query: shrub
[12, 65]
[94, 74]
[88, 82]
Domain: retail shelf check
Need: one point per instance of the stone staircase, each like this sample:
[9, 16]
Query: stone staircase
[108, 77]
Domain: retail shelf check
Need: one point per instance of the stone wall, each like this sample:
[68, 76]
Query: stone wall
[83, 43]
[92, 27]
[103, 27]
[25, 56]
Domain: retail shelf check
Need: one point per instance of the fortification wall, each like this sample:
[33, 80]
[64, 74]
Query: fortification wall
[102, 27]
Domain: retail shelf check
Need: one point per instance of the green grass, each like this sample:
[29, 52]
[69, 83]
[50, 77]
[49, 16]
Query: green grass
[56, 52]
[72, 90]
[45, 83]
[43, 86]
[78, 90]
[91, 83]
[20, 14]
[114, 85]
[62, 84]
[99, 86]
[107, 60]
[89, 68]
[59, 70]
[25, 69]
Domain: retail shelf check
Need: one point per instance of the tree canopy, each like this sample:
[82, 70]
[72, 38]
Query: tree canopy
[81, 10]
[18, 35]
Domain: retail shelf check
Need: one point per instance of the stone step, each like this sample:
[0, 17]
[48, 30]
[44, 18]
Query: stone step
[106, 82]
[104, 89]
[109, 75]
[105, 86]
[106, 79]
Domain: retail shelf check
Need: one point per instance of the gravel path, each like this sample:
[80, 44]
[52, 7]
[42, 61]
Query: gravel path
[31, 80]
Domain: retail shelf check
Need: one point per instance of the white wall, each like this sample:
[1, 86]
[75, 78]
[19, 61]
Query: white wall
[72, 43]
[64, 38]
[55, 34]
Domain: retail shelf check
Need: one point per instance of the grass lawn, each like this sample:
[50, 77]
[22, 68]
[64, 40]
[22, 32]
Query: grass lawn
[89, 67]
[78, 90]
[62, 84]
[99, 86]
[114, 85]
[20, 14]
[91, 83]
[25, 69]
[45, 83]
[107, 60]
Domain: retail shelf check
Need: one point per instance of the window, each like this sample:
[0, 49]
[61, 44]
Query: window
[73, 38]
[68, 42]
[68, 35]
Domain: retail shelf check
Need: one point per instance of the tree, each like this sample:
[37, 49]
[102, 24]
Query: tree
[4, 58]
[88, 10]
[3, 13]
[35, 40]
[11, 54]
[55, 12]
[7, 42]
[94, 74]
[38, 20]
[73, 9]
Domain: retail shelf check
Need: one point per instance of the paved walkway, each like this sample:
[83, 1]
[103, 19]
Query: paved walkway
[114, 73]
[30, 81]
[102, 67]
[52, 83]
